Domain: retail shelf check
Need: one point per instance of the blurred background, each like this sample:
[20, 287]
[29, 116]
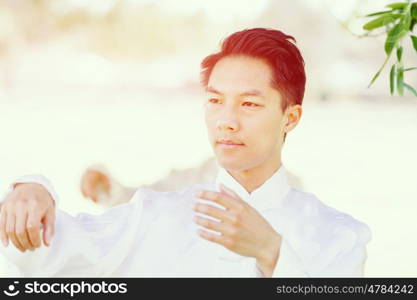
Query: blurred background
[117, 83]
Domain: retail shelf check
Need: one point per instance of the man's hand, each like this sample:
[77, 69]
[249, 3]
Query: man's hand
[93, 183]
[23, 213]
[243, 230]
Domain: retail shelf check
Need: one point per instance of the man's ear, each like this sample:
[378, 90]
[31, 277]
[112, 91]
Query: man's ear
[292, 117]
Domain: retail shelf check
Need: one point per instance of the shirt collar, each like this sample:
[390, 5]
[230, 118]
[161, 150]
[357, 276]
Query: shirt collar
[269, 195]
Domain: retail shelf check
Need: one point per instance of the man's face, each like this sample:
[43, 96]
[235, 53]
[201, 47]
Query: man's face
[243, 114]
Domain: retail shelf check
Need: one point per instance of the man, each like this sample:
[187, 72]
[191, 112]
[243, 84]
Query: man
[248, 222]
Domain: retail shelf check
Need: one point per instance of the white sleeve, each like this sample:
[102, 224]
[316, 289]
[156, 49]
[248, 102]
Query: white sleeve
[289, 263]
[83, 246]
[35, 178]
[343, 256]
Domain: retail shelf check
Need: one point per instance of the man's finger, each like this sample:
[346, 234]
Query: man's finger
[3, 234]
[214, 212]
[88, 190]
[49, 227]
[33, 227]
[20, 229]
[10, 230]
[221, 227]
[221, 198]
[218, 239]
[229, 192]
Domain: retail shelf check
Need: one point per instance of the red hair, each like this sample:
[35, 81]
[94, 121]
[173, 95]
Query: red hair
[277, 49]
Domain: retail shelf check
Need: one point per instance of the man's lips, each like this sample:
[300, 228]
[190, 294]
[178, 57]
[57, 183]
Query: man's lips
[229, 143]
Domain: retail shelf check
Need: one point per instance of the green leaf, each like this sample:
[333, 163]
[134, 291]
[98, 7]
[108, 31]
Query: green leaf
[400, 81]
[414, 41]
[394, 35]
[397, 5]
[410, 69]
[381, 21]
[392, 74]
[414, 11]
[410, 88]
[406, 20]
[374, 78]
[379, 71]
[399, 53]
[413, 22]
[379, 13]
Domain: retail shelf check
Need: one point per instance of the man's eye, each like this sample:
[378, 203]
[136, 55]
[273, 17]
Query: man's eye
[214, 100]
[250, 104]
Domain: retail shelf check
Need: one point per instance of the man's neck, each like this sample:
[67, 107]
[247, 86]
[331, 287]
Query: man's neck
[253, 178]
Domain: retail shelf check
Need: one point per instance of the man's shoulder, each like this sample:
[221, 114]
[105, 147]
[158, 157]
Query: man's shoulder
[323, 221]
[326, 240]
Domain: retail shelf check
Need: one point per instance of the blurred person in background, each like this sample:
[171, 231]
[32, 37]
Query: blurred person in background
[99, 186]
[249, 221]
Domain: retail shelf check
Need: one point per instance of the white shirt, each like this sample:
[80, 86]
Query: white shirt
[153, 235]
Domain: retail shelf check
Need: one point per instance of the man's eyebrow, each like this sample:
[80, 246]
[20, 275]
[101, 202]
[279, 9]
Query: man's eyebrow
[253, 92]
[210, 89]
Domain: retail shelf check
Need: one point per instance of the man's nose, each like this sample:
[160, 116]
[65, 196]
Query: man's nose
[228, 122]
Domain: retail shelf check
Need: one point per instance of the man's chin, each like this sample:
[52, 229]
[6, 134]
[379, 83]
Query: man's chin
[232, 164]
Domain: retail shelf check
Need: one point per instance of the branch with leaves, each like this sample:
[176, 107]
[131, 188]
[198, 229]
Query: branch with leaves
[399, 21]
